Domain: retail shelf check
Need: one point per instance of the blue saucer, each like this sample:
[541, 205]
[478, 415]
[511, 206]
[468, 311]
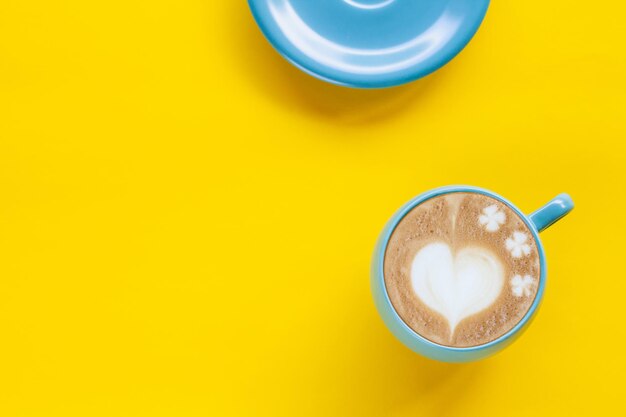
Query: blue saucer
[369, 43]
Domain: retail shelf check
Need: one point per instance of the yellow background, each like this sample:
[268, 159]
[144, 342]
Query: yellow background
[186, 221]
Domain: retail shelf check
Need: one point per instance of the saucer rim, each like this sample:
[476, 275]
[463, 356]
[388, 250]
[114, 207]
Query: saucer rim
[346, 79]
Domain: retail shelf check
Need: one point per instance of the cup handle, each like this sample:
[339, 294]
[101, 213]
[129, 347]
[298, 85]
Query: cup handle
[549, 214]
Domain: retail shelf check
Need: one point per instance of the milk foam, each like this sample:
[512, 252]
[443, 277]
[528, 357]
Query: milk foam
[462, 269]
[456, 285]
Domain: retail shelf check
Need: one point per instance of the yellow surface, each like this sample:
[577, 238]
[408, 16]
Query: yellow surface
[186, 221]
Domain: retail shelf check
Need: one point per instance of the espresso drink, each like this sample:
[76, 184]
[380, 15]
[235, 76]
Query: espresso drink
[461, 269]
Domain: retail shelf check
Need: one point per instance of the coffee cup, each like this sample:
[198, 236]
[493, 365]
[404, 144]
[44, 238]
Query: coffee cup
[459, 272]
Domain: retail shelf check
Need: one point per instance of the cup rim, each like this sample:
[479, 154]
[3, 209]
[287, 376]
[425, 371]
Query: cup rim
[382, 248]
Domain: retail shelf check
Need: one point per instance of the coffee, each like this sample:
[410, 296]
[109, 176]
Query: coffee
[462, 269]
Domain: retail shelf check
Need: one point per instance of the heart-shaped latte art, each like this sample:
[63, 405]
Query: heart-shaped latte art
[456, 285]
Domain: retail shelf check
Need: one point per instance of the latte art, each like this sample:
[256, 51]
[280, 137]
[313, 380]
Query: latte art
[456, 286]
[461, 269]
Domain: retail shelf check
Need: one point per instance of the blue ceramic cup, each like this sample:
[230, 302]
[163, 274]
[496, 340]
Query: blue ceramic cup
[369, 43]
[536, 222]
